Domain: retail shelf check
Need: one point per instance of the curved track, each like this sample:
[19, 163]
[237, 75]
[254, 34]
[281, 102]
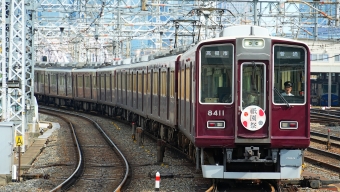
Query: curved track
[101, 166]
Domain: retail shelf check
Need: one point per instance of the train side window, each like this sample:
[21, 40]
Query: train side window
[145, 77]
[134, 82]
[128, 81]
[290, 64]
[139, 82]
[164, 84]
[87, 81]
[124, 81]
[149, 83]
[172, 83]
[182, 83]
[102, 82]
[107, 82]
[155, 83]
[80, 81]
[113, 76]
[119, 80]
[188, 81]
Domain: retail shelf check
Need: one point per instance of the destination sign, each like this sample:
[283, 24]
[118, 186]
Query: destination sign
[288, 55]
[216, 54]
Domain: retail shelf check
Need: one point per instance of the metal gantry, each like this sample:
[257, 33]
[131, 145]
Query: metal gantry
[17, 64]
[106, 30]
[73, 31]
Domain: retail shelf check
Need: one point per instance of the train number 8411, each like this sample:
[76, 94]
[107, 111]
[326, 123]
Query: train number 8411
[216, 113]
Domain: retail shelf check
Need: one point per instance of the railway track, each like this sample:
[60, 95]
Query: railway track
[101, 166]
[175, 170]
[168, 175]
[325, 116]
[324, 153]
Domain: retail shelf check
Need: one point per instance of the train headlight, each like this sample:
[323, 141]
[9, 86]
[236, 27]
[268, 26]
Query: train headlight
[288, 125]
[253, 43]
[215, 124]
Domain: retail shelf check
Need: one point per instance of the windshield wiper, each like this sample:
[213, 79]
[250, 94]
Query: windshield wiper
[281, 97]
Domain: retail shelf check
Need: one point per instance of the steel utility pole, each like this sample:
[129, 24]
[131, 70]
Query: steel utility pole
[16, 64]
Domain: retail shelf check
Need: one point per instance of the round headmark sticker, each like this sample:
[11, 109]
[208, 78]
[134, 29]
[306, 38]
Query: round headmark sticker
[253, 118]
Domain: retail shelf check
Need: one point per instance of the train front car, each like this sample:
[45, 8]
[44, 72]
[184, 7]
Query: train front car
[248, 125]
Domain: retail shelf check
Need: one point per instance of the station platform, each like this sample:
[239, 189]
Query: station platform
[39, 143]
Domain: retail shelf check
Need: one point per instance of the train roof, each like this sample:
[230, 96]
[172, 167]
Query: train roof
[243, 31]
[85, 69]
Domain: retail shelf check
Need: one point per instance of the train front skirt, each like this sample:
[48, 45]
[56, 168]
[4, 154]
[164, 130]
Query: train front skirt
[290, 168]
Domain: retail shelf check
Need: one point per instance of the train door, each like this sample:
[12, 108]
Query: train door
[113, 87]
[155, 92]
[181, 81]
[168, 84]
[151, 90]
[119, 87]
[134, 104]
[253, 100]
[188, 96]
[163, 94]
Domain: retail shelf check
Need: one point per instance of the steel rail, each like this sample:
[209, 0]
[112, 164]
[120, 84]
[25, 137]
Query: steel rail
[107, 138]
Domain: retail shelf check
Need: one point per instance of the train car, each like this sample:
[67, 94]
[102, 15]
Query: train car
[85, 88]
[54, 85]
[106, 92]
[226, 102]
[232, 108]
[146, 92]
[131, 89]
[39, 83]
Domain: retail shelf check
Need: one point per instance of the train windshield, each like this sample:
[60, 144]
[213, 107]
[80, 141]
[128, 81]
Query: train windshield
[289, 75]
[253, 84]
[216, 77]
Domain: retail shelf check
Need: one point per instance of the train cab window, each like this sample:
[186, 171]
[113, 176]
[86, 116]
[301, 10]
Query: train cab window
[290, 66]
[253, 84]
[216, 79]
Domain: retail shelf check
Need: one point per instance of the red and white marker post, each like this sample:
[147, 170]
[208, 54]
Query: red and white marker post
[158, 179]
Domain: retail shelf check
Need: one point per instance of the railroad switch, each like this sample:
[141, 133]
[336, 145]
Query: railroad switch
[312, 182]
[329, 140]
[28, 176]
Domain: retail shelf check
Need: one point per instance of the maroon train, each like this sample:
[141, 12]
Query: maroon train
[220, 101]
